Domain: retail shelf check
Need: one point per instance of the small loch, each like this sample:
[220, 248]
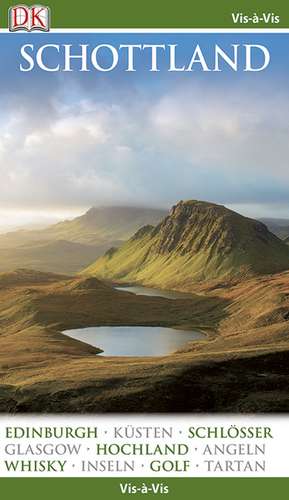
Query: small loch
[153, 292]
[134, 340]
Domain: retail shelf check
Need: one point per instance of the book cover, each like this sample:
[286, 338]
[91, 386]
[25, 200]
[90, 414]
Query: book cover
[144, 249]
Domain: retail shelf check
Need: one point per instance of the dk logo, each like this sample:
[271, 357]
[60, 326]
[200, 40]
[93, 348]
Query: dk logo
[22, 17]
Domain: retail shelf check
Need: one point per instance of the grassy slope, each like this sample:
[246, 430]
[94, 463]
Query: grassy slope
[214, 243]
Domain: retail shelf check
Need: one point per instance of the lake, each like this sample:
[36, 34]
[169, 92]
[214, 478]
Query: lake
[153, 292]
[134, 340]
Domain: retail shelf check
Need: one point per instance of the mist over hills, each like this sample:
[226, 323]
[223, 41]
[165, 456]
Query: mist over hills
[197, 241]
[71, 245]
[59, 256]
[96, 226]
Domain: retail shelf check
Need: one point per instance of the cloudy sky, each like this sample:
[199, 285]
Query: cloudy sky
[72, 140]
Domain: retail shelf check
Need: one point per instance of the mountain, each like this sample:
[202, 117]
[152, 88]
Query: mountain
[69, 246]
[105, 224]
[279, 227]
[197, 241]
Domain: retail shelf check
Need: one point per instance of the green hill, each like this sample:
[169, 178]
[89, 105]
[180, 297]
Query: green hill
[197, 241]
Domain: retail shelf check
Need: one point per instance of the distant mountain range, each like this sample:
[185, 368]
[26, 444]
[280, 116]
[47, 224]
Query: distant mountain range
[71, 245]
[280, 227]
[197, 241]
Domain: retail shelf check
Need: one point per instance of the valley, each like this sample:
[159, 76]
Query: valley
[240, 365]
